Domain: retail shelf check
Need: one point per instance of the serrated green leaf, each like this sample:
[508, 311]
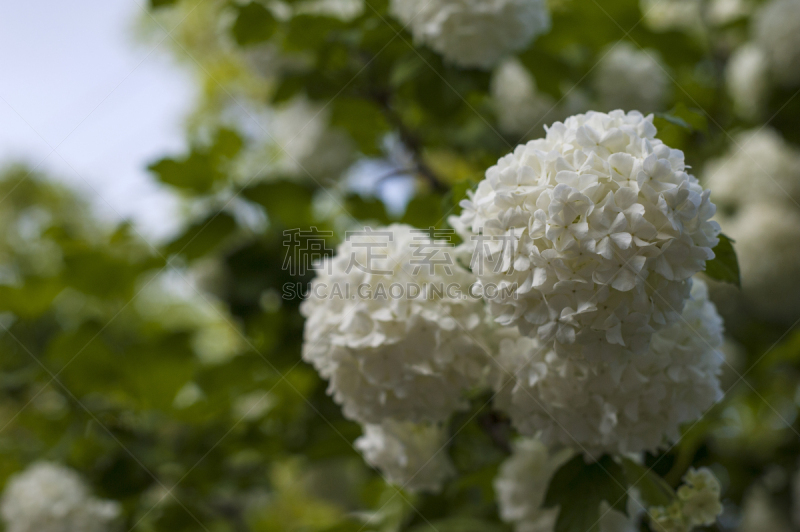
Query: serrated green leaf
[254, 24]
[578, 488]
[724, 266]
[653, 489]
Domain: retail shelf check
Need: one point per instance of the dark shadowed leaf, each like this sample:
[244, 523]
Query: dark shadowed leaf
[724, 266]
[578, 489]
[254, 24]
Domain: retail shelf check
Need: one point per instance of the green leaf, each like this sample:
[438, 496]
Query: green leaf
[424, 211]
[155, 4]
[653, 489]
[724, 266]
[578, 489]
[202, 237]
[310, 31]
[198, 171]
[287, 202]
[254, 24]
[684, 117]
[363, 208]
[227, 144]
[363, 120]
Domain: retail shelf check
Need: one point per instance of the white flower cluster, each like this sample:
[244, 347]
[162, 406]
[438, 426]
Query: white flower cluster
[48, 497]
[691, 15]
[757, 185]
[473, 33]
[633, 404]
[410, 455]
[664, 15]
[627, 77]
[405, 358]
[592, 235]
[777, 33]
[519, 106]
[698, 504]
[747, 80]
[522, 482]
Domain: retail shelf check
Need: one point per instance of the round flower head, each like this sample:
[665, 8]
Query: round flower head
[760, 166]
[746, 77]
[621, 406]
[473, 33]
[587, 239]
[665, 15]
[413, 456]
[391, 324]
[520, 108]
[629, 77]
[51, 498]
[698, 503]
[522, 482]
[777, 32]
[767, 239]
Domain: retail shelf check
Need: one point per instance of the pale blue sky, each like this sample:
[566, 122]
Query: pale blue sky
[74, 77]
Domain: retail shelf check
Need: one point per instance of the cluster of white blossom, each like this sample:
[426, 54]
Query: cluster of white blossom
[697, 504]
[589, 326]
[592, 235]
[747, 80]
[411, 455]
[48, 497]
[777, 33]
[691, 15]
[632, 404]
[408, 358]
[664, 15]
[293, 139]
[757, 185]
[473, 33]
[520, 108]
[771, 57]
[521, 485]
[177, 302]
[627, 77]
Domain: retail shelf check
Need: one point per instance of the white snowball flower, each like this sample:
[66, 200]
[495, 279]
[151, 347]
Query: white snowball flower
[629, 405]
[345, 10]
[767, 244]
[629, 78]
[746, 77]
[721, 12]
[777, 32]
[473, 33]
[293, 139]
[588, 238]
[698, 504]
[408, 454]
[665, 15]
[520, 108]
[407, 356]
[48, 497]
[760, 513]
[760, 166]
[521, 485]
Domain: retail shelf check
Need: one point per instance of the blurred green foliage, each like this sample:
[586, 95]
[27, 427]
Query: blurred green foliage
[191, 406]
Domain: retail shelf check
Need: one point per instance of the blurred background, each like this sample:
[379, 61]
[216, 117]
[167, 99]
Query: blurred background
[155, 151]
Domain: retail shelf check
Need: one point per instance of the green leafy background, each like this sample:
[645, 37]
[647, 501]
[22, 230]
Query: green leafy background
[194, 410]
